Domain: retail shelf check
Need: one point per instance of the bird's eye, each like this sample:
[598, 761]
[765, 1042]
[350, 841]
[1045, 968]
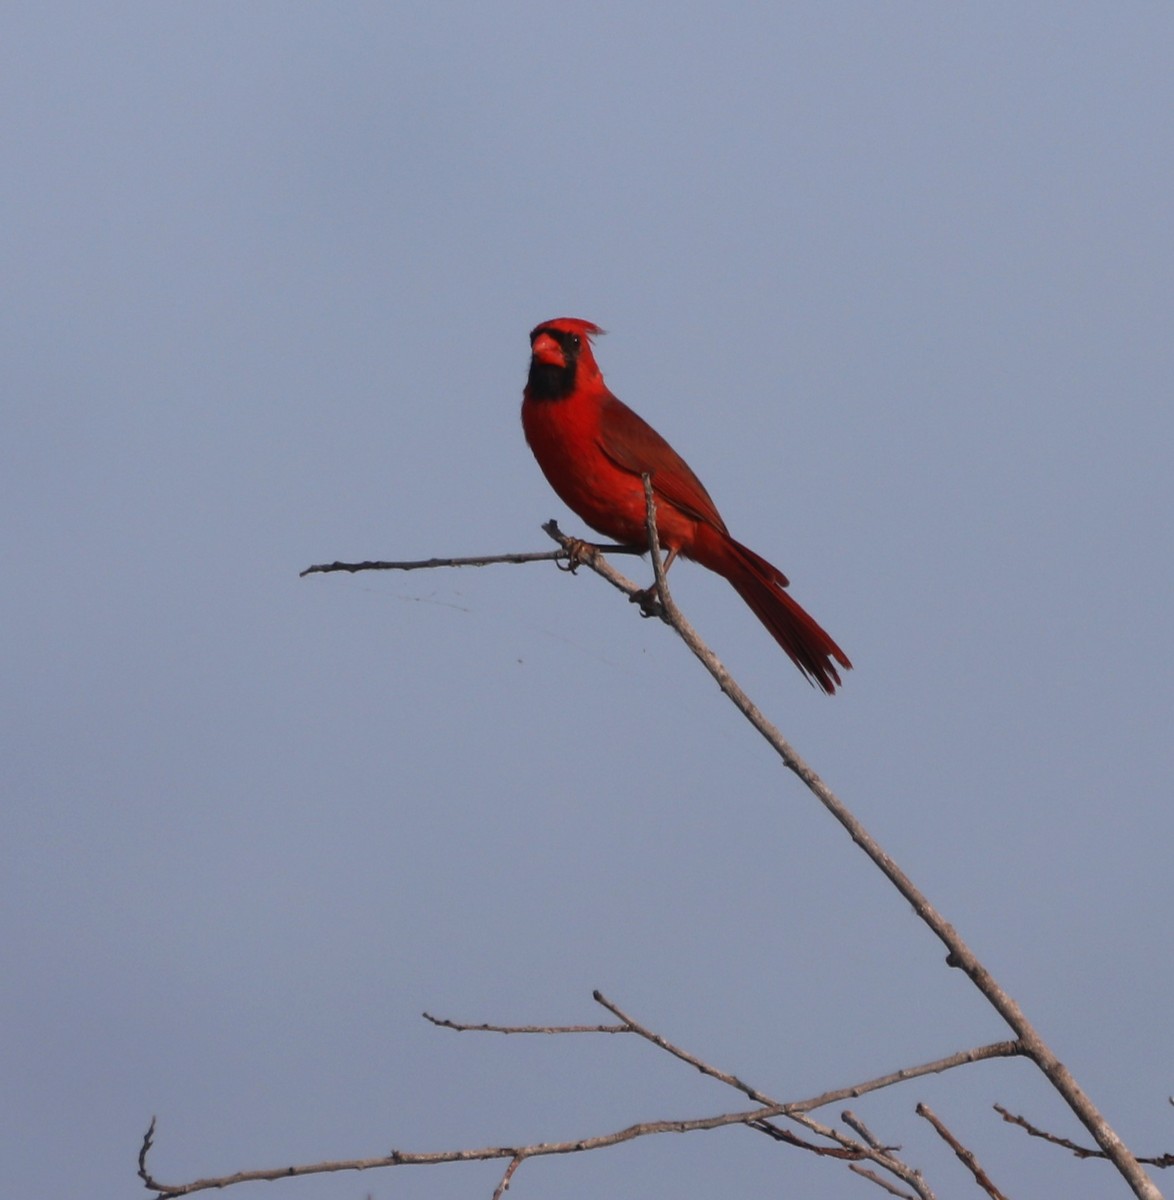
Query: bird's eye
[574, 341]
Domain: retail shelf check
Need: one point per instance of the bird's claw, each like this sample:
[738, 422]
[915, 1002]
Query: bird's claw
[577, 552]
[649, 600]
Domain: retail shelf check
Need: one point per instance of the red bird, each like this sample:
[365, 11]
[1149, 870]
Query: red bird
[594, 450]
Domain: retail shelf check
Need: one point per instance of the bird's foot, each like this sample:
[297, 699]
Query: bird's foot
[649, 600]
[577, 552]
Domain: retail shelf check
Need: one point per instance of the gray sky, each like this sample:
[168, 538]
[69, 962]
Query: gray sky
[896, 280]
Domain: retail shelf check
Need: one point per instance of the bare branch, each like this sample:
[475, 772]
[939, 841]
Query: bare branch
[658, 571]
[848, 1148]
[445, 1023]
[882, 1157]
[760, 1119]
[144, 1150]
[592, 556]
[1158, 1160]
[425, 564]
[880, 1182]
[476, 560]
[962, 1058]
[850, 1152]
[854, 1122]
[965, 1156]
[851, 1092]
[789, 1109]
[504, 1186]
[684, 1055]
[401, 1158]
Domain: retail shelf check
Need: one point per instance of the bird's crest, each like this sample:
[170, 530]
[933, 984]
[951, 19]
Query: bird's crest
[583, 328]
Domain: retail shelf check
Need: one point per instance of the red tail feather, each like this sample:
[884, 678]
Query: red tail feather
[762, 586]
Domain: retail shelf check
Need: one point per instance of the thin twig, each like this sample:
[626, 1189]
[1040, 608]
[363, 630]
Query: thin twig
[880, 1181]
[849, 1152]
[504, 1185]
[144, 1150]
[965, 1156]
[884, 1158]
[659, 574]
[475, 560]
[684, 1055]
[854, 1122]
[1157, 1160]
[445, 1023]
[937, 1067]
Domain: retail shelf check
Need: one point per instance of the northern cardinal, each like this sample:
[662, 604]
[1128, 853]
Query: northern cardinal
[594, 450]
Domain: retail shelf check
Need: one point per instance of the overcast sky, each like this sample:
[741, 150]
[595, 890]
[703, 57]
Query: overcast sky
[896, 279]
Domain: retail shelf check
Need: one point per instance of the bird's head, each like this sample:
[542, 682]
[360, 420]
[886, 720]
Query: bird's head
[561, 358]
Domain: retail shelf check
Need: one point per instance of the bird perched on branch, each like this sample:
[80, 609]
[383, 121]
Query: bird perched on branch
[594, 451]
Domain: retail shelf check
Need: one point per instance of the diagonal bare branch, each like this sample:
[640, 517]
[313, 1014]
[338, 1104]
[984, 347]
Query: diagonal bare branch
[965, 1156]
[880, 1181]
[684, 1055]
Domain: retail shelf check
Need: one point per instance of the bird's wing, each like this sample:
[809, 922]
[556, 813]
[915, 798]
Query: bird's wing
[633, 445]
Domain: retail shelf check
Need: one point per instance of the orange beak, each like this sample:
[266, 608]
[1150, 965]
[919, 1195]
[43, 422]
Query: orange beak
[546, 350]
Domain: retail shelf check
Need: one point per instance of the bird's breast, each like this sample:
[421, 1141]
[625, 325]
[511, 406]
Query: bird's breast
[565, 438]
